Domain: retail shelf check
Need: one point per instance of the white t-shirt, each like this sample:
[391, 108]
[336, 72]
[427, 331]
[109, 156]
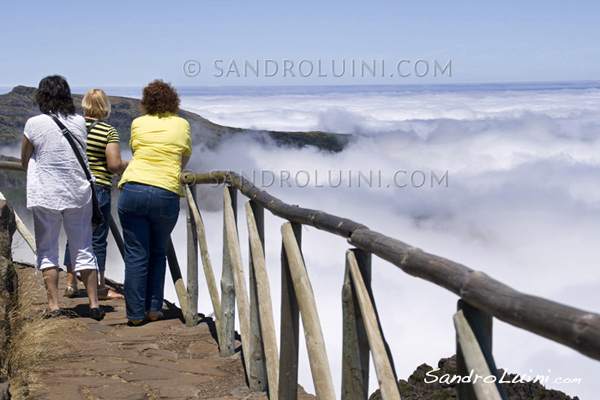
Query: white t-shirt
[55, 179]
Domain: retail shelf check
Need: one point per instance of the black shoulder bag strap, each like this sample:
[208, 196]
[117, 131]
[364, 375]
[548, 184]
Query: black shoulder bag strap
[69, 136]
[97, 217]
[89, 129]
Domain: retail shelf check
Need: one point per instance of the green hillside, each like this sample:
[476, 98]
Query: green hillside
[18, 105]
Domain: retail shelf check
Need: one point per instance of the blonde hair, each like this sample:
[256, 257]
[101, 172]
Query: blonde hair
[95, 104]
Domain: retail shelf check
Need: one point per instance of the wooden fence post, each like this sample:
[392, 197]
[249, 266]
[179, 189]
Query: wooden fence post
[206, 263]
[313, 333]
[241, 292]
[191, 315]
[480, 323]
[258, 370]
[22, 228]
[227, 317]
[379, 349]
[290, 328]
[262, 297]
[176, 276]
[114, 229]
[355, 355]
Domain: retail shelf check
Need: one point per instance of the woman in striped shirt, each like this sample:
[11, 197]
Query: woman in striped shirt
[105, 160]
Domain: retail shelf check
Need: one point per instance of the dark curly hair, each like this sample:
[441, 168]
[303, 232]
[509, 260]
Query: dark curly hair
[54, 96]
[159, 97]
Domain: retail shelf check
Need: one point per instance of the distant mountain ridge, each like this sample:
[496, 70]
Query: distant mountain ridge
[19, 104]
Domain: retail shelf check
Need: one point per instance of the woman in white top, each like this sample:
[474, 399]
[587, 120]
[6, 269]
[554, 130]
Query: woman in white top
[58, 192]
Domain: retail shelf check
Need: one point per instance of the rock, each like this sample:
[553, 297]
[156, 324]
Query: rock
[426, 384]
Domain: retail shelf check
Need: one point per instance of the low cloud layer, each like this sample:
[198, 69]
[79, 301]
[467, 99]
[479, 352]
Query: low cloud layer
[520, 201]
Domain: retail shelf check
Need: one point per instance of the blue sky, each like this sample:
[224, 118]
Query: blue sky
[129, 43]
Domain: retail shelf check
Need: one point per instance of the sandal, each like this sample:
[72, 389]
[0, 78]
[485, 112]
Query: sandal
[109, 294]
[71, 291]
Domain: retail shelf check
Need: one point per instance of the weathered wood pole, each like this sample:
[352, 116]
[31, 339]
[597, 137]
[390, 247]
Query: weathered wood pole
[176, 276]
[481, 324]
[474, 360]
[290, 327]
[263, 297]
[206, 263]
[12, 165]
[241, 292]
[114, 229]
[227, 317]
[21, 226]
[381, 360]
[315, 343]
[355, 355]
[191, 314]
[256, 238]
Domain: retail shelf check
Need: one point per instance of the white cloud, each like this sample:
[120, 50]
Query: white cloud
[521, 203]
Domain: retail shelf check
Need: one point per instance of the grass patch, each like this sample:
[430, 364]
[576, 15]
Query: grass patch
[34, 341]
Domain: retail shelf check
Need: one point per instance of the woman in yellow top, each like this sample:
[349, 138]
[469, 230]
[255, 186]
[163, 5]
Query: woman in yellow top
[149, 201]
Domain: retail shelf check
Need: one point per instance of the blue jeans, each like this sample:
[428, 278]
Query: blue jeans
[99, 233]
[148, 215]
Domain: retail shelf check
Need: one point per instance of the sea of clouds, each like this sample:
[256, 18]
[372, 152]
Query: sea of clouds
[502, 180]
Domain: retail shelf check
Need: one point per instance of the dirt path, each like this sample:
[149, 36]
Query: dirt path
[156, 360]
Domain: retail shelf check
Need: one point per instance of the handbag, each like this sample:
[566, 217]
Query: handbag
[97, 217]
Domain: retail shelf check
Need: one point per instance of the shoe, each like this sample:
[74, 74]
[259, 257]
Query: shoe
[109, 294]
[134, 322]
[97, 313]
[154, 315]
[71, 291]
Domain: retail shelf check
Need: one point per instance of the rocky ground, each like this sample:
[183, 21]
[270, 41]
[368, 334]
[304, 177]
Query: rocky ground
[156, 360]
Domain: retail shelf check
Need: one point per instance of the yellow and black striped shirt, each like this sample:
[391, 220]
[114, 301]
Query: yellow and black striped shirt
[97, 139]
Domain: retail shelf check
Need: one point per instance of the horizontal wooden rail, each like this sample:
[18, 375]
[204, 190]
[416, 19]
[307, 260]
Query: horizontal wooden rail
[572, 327]
[12, 166]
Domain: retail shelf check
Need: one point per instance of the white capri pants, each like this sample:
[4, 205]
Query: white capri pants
[78, 227]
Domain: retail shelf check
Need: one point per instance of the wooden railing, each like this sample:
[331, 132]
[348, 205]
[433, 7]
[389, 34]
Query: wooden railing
[481, 298]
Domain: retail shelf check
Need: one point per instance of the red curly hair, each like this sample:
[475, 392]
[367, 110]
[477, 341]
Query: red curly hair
[160, 97]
